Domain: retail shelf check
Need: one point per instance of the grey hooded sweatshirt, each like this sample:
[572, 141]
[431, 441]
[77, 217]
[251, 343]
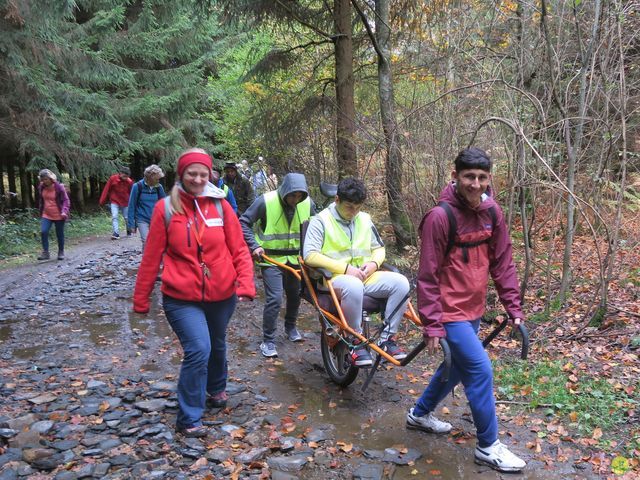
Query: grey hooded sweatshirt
[257, 212]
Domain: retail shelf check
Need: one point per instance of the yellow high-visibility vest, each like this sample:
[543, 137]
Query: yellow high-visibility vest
[355, 251]
[281, 240]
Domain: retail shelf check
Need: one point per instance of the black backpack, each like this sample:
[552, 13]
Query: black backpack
[453, 228]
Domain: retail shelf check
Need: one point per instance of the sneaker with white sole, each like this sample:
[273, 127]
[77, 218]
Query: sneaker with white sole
[268, 349]
[427, 423]
[498, 457]
[294, 335]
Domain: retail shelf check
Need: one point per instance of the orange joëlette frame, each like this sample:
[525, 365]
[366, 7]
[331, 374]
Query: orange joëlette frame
[339, 321]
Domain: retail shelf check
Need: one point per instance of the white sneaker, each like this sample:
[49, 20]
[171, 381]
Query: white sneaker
[427, 423]
[498, 457]
[268, 349]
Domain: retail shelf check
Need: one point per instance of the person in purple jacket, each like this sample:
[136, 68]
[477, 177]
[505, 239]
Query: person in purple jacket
[452, 286]
[54, 210]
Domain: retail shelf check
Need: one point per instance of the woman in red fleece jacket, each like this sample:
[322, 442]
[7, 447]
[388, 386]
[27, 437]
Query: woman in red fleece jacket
[207, 268]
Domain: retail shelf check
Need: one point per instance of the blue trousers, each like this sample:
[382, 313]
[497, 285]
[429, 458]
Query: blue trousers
[201, 328]
[45, 227]
[470, 365]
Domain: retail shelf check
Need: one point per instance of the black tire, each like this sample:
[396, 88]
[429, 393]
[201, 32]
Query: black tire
[337, 362]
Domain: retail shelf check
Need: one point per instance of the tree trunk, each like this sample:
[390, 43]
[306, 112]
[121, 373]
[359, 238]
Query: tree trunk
[393, 160]
[573, 149]
[11, 177]
[25, 186]
[77, 197]
[2, 192]
[94, 189]
[86, 191]
[345, 108]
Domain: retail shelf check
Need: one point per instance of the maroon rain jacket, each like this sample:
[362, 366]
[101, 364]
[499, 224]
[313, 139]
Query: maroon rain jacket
[450, 289]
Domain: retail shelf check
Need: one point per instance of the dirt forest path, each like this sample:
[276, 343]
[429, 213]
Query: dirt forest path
[87, 390]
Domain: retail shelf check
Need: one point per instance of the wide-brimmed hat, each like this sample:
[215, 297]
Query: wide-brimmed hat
[230, 164]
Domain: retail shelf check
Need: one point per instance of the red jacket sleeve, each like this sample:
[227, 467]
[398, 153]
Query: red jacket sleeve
[151, 259]
[503, 270]
[105, 191]
[242, 261]
[434, 234]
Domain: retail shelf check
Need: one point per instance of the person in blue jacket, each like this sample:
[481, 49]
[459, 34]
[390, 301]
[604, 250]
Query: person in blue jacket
[218, 182]
[144, 195]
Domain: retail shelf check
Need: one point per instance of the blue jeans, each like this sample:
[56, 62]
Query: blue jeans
[115, 209]
[45, 227]
[470, 365]
[277, 282]
[201, 328]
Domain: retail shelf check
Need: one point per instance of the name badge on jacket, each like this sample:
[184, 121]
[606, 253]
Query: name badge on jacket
[214, 222]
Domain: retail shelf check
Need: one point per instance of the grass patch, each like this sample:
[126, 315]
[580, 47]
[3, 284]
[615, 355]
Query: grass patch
[584, 402]
[546, 315]
[20, 232]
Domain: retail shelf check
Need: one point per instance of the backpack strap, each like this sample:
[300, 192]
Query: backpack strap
[140, 185]
[168, 214]
[453, 228]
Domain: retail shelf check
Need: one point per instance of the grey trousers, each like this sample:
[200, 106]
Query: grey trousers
[143, 230]
[276, 283]
[390, 285]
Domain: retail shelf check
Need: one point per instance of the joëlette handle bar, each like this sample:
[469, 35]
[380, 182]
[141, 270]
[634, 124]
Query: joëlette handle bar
[291, 270]
[523, 331]
[446, 353]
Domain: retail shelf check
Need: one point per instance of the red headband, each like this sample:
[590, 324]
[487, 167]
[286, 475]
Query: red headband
[190, 158]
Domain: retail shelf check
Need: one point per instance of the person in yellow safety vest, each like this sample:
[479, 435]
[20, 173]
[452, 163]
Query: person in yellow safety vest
[217, 181]
[343, 240]
[271, 226]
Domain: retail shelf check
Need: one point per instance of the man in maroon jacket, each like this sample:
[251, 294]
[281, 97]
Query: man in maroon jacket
[464, 240]
[116, 192]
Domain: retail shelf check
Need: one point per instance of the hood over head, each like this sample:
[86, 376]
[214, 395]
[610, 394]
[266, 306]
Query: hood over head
[293, 182]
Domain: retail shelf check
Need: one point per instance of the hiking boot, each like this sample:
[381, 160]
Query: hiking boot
[128, 232]
[294, 335]
[268, 349]
[44, 255]
[391, 347]
[498, 457]
[219, 400]
[60, 255]
[197, 431]
[427, 423]
[115, 236]
[361, 357]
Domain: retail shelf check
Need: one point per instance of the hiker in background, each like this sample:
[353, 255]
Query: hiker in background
[245, 170]
[144, 195]
[216, 179]
[207, 269]
[241, 186]
[54, 210]
[117, 192]
[264, 180]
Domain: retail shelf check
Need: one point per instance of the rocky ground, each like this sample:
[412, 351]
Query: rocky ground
[87, 390]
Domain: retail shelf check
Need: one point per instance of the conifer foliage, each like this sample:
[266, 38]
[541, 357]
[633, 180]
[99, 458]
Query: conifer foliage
[87, 84]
